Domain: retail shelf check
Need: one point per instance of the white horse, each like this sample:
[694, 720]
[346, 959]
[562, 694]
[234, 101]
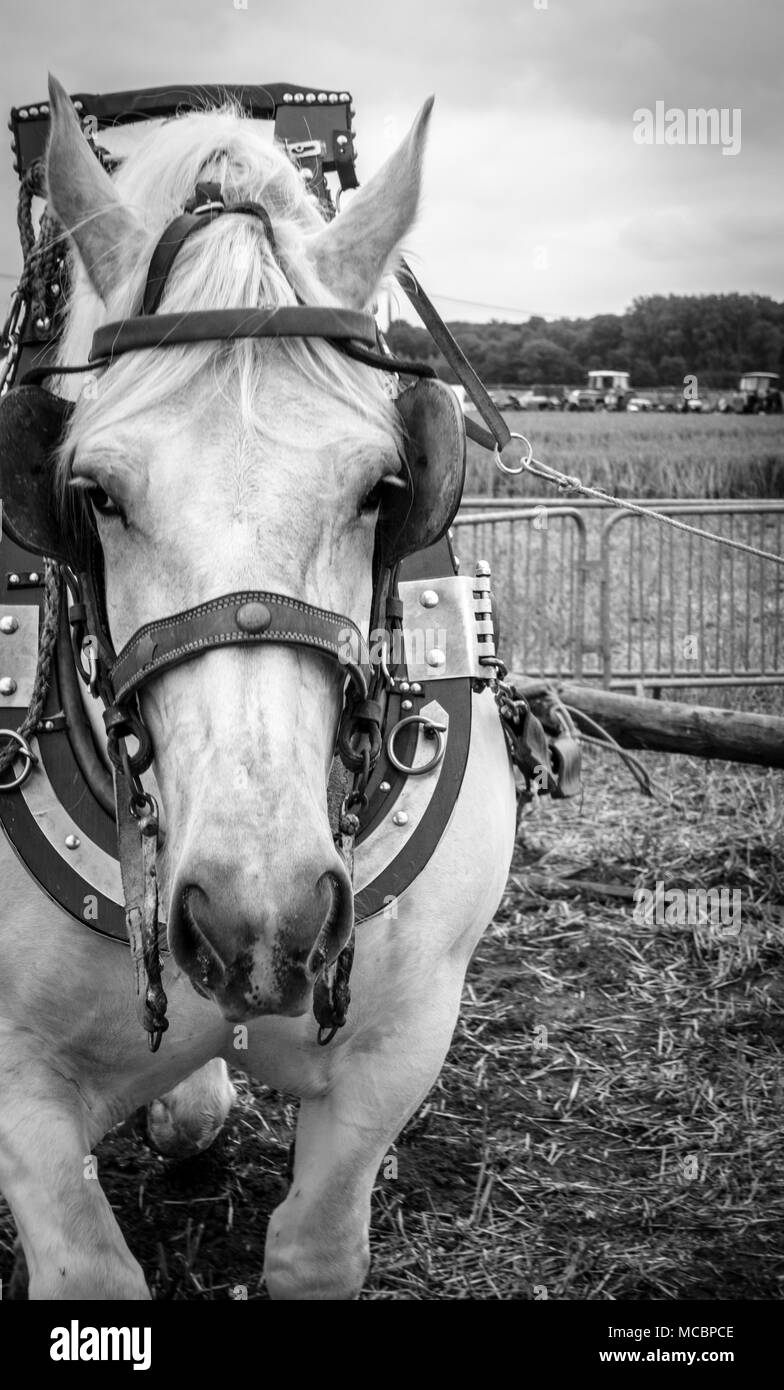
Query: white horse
[229, 468]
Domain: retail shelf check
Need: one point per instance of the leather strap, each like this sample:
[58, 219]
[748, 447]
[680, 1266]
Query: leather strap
[253, 617]
[203, 208]
[205, 325]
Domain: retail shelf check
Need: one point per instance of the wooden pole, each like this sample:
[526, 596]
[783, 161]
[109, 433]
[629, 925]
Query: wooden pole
[699, 730]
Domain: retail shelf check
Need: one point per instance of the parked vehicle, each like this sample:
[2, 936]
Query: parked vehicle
[533, 400]
[758, 393]
[613, 388]
[582, 400]
[640, 403]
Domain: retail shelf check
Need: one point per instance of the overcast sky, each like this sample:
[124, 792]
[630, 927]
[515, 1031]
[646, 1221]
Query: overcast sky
[537, 197]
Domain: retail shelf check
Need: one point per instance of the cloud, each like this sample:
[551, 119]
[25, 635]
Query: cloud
[532, 133]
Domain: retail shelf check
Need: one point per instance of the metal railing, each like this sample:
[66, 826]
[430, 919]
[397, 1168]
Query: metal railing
[585, 591]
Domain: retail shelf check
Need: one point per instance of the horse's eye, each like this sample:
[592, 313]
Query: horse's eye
[373, 499]
[103, 504]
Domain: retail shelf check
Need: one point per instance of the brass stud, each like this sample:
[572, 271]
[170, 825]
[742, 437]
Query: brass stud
[428, 598]
[13, 580]
[8, 624]
[416, 688]
[34, 576]
[404, 685]
[72, 842]
[7, 685]
[435, 657]
[400, 818]
[385, 786]
[322, 96]
[407, 704]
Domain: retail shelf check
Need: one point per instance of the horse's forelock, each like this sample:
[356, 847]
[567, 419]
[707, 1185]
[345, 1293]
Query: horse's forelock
[228, 265]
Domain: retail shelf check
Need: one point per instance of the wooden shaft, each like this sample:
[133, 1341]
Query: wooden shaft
[699, 730]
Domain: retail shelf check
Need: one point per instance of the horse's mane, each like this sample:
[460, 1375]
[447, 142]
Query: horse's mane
[226, 265]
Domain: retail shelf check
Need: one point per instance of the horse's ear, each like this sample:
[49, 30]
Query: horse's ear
[352, 253]
[107, 237]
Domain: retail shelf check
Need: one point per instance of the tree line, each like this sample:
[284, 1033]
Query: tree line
[660, 340]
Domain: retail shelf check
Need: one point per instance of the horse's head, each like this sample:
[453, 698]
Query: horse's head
[231, 466]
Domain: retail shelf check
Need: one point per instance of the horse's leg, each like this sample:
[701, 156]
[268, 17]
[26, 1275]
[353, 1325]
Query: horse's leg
[188, 1118]
[71, 1241]
[318, 1238]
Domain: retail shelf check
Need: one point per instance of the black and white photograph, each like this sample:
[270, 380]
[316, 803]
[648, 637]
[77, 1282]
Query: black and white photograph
[392, 668]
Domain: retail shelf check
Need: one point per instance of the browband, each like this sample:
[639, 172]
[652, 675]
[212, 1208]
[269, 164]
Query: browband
[203, 325]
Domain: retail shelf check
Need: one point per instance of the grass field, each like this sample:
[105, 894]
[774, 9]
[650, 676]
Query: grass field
[644, 455]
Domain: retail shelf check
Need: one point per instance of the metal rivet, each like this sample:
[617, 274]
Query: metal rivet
[385, 786]
[8, 624]
[428, 598]
[253, 617]
[407, 704]
[400, 818]
[311, 96]
[333, 97]
[34, 576]
[72, 842]
[287, 96]
[79, 105]
[13, 579]
[298, 96]
[322, 96]
[342, 140]
[23, 114]
[7, 685]
[435, 658]
[344, 96]
[49, 725]
[404, 685]
[33, 110]
[416, 688]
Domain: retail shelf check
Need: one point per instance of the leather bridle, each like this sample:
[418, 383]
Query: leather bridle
[248, 617]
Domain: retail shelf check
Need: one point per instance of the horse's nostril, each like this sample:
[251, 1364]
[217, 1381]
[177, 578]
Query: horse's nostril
[337, 924]
[193, 950]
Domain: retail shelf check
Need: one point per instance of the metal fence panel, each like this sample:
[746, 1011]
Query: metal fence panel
[537, 556]
[585, 591]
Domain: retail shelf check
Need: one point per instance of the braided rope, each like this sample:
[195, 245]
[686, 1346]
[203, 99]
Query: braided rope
[43, 672]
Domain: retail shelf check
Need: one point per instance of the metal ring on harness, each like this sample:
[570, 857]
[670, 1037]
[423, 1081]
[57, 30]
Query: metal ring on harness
[504, 468]
[26, 752]
[430, 728]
